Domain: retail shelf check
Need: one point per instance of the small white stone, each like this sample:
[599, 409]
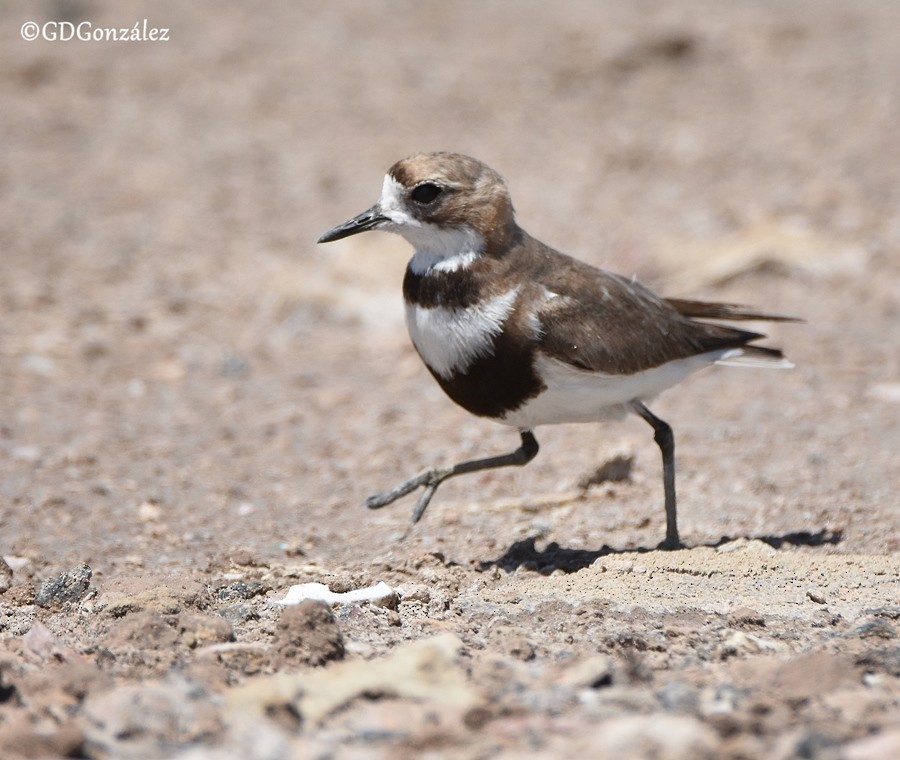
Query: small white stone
[381, 595]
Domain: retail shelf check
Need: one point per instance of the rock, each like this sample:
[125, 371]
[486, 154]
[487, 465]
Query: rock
[679, 697]
[16, 562]
[594, 672]
[241, 590]
[43, 644]
[871, 627]
[745, 617]
[876, 747]
[722, 699]
[23, 738]
[170, 596]
[236, 614]
[6, 576]
[197, 629]
[243, 558]
[148, 720]
[246, 658]
[813, 674]
[149, 512]
[519, 647]
[616, 700]
[145, 629]
[805, 743]
[660, 736]
[341, 583]
[885, 660]
[613, 470]
[854, 704]
[748, 546]
[152, 631]
[380, 595]
[887, 611]
[9, 691]
[69, 682]
[739, 643]
[414, 592]
[20, 595]
[513, 641]
[423, 670]
[67, 587]
[258, 740]
[307, 634]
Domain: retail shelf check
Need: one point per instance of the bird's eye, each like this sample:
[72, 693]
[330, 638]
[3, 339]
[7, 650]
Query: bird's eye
[425, 193]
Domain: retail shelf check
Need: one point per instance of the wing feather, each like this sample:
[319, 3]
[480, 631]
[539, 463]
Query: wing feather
[600, 321]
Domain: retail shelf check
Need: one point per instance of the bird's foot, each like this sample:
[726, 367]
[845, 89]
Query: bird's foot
[430, 478]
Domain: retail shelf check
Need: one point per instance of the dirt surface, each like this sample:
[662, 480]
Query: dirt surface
[195, 399]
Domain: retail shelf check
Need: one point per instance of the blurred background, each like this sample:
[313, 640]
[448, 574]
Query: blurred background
[184, 373]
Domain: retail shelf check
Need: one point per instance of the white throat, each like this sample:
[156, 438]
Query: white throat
[441, 249]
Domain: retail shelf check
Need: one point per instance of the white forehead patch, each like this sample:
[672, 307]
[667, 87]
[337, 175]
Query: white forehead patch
[393, 203]
[449, 340]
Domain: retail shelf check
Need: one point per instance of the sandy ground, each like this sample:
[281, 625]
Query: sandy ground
[195, 399]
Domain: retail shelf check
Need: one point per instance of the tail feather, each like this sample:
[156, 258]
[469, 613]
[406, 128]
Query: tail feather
[742, 354]
[727, 311]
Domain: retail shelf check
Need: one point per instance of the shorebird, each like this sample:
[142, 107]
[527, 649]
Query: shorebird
[522, 334]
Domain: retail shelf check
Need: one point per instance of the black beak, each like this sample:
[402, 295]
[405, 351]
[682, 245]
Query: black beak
[367, 220]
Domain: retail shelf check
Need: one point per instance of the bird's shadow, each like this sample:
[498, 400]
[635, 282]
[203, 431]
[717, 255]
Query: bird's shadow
[554, 556]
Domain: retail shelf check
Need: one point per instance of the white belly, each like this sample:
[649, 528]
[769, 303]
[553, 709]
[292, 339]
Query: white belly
[577, 395]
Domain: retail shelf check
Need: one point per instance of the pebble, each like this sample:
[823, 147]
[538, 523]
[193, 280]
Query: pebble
[20, 737]
[746, 617]
[381, 595]
[143, 720]
[679, 697]
[6, 576]
[878, 747]
[128, 594]
[815, 596]
[660, 736]
[145, 629]
[239, 613]
[593, 672]
[66, 587]
[815, 673]
[149, 512]
[424, 671]
[199, 629]
[307, 634]
[414, 592]
[16, 563]
[871, 627]
[613, 470]
[241, 590]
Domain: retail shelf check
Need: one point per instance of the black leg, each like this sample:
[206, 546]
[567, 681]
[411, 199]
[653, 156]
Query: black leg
[666, 440]
[434, 476]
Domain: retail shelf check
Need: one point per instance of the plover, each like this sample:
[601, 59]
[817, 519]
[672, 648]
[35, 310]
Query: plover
[520, 333]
